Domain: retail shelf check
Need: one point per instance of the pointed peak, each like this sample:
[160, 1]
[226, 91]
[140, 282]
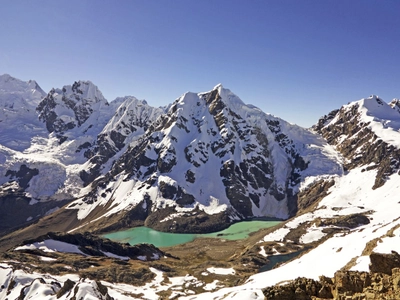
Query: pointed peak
[218, 86]
[6, 76]
[14, 88]
[373, 100]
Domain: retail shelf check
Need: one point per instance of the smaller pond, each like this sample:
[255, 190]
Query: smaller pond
[273, 260]
[142, 234]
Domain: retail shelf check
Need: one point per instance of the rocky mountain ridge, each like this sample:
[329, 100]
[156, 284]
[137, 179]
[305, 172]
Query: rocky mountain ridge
[146, 164]
[366, 134]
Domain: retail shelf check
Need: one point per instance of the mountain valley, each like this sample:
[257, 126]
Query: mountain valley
[74, 166]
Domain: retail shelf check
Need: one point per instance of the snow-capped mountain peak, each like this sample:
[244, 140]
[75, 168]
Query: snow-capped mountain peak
[366, 132]
[254, 164]
[17, 93]
[382, 118]
[86, 89]
[18, 119]
[69, 107]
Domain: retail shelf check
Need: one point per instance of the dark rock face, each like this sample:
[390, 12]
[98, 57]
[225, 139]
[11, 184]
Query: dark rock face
[96, 246]
[384, 263]
[23, 175]
[47, 114]
[348, 221]
[68, 285]
[132, 118]
[313, 194]
[16, 210]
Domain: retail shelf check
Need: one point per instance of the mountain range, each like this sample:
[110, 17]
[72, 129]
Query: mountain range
[71, 161]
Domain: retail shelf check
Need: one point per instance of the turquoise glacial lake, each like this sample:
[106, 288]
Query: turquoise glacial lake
[143, 234]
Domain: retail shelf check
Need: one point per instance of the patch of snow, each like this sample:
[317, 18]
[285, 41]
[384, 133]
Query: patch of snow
[45, 258]
[389, 243]
[313, 234]
[277, 235]
[109, 254]
[262, 252]
[362, 264]
[212, 286]
[221, 271]
[52, 246]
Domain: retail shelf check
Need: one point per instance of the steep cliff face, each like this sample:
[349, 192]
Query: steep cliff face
[131, 119]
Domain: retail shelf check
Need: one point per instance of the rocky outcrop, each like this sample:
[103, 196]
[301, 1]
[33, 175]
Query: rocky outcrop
[95, 246]
[196, 221]
[301, 289]
[313, 194]
[384, 263]
[382, 282]
[347, 221]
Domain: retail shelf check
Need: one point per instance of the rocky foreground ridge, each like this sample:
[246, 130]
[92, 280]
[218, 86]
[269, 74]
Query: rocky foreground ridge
[382, 282]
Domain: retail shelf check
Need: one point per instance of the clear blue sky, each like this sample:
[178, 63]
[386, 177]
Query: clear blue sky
[295, 59]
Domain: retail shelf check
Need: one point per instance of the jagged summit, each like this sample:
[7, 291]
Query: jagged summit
[86, 89]
[378, 116]
[17, 93]
[218, 86]
[64, 109]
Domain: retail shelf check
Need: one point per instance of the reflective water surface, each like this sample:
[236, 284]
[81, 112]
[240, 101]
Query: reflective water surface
[142, 234]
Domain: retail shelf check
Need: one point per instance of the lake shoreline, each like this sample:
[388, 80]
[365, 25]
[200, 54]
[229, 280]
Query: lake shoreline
[236, 231]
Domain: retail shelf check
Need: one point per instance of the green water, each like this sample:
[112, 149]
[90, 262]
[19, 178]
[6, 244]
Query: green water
[139, 235]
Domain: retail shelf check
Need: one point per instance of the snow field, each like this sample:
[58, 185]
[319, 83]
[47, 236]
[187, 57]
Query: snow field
[352, 193]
